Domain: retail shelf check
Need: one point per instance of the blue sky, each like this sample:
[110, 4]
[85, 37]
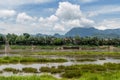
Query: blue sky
[57, 16]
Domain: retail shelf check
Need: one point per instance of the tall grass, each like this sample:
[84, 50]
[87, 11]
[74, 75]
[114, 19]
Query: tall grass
[86, 76]
[4, 60]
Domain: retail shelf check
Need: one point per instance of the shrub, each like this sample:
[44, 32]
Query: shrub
[29, 70]
[71, 74]
[44, 69]
[11, 70]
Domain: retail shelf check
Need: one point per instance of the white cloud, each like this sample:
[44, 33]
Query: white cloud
[68, 11]
[13, 28]
[59, 27]
[109, 24]
[104, 10]
[24, 18]
[50, 19]
[87, 22]
[67, 16]
[70, 16]
[7, 13]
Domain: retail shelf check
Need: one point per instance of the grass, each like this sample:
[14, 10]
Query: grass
[29, 70]
[86, 53]
[108, 71]
[11, 70]
[87, 59]
[86, 76]
[72, 74]
[75, 71]
[24, 47]
[102, 58]
[51, 70]
[83, 52]
[34, 77]
[45, 46]
[6, 60]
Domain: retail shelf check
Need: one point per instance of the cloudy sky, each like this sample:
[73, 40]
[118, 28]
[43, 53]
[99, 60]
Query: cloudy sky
[57, 16]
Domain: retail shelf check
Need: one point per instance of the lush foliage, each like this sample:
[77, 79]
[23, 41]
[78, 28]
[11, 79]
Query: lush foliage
[7, 60]
[27, 39]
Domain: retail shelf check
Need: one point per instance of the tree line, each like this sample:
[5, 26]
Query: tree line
[27, 39]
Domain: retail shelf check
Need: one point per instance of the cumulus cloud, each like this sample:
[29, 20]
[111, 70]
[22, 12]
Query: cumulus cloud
[59, 27]
[24, 18]
[66, 16]
[70, 15]
[50, 19]
[104, 10]
[109, 24]
[7, 13]
[68, 11]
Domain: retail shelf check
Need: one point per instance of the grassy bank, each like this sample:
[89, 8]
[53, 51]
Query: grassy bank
[87, 76]
[76, 71]
[78, 53]
[82, 72]
[45, 46]
[6, 60]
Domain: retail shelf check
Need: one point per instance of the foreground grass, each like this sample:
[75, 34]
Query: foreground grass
[87, 76]
[43, 77]
[82, 72]
[89, 53]
[5, 60]
[24, 47]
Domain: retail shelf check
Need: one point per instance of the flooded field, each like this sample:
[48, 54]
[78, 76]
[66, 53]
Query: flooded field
[57, 63]
[74, 60]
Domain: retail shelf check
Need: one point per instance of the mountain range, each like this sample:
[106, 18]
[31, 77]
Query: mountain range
[83, 32]
[89, 32]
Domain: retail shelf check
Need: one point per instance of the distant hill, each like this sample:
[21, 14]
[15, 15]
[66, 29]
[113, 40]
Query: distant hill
[87, 32]
[83, 32]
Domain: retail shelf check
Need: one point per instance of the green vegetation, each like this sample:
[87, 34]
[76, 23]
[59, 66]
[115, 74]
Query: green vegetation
[72, 74]
[52, 70]
[4, 60]
[29, 70]
[87, 59]
[108, 71]
[34, 77]
[76, 71]
[79, 53]
[25, 42]
[102, 58]
[86, 76]
[11, 70]
[27, 39]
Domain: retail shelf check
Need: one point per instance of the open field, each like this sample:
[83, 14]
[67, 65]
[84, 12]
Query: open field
[88, 76]
[50, 63]
[107, 71]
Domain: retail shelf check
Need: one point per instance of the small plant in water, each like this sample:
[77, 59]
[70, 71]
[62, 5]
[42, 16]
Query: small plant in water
[29, 70]
[11, 70]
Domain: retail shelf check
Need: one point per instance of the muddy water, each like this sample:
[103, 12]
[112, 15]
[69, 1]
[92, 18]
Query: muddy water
[38, 66]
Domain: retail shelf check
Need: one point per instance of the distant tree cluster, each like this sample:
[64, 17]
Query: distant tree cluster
[27, 39]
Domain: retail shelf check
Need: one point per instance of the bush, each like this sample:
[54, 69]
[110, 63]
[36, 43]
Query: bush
[11, 70]
[82, 60]
[29, 70]
[102, 58]
[44, 69]
[71, 74]
[54, 70]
